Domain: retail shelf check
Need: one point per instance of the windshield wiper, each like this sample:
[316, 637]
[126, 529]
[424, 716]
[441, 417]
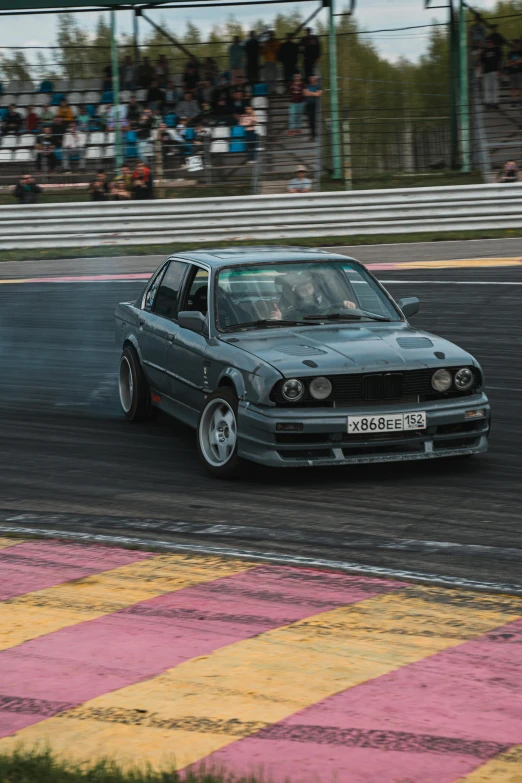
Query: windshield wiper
[349, 315]
[263, 322]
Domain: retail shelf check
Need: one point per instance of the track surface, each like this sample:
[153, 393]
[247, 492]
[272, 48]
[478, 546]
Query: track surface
[68, 459]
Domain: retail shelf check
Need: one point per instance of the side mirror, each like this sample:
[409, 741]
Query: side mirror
[410, 305]
[193, 320]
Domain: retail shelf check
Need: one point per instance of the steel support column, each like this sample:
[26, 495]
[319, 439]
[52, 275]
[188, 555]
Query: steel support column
[464, 90]
[136, 31]
[118, 146]
[334, 96]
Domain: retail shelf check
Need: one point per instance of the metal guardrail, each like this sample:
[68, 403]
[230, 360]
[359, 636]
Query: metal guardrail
[255, 218]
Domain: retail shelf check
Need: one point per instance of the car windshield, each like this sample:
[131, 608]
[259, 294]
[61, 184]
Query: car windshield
[295, 294]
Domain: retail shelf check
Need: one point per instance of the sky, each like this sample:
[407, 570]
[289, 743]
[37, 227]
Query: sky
[370, 15]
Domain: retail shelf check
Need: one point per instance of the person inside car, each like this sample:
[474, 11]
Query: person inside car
[301, 296]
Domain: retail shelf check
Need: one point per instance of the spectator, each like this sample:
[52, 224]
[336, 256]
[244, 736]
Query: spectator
[296, 105]
[301, 183]
[144, 132]
[128, 74]
[45, 150]
[155, 96]
[125, 176]
[288, 54]
[47, 115]
[191, 77]
[65, 112]
[119, 191]
[99, 187]
[236, 59]
[509, 173]
[133, 111]
[249, 120]
[58, 129]
[514, 68]
[171, 143]
[162, 71]
[270, 53]
[205, 92]
[311, 52]
[477, 33]
[31, 121]
[202, 133]
[192, 65]
[188, 107]
[172, 96]
[27, 191]
[490, 66]
[222, 112]
[13, 122]
[312, 93]
[497, 39]
[145, 73]
[252, 48]
[142, 181]
[238, 105]
[107, 78]
[211, 70]
[83, 121]
[73, 145]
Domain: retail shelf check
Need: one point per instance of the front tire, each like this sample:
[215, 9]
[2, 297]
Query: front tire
[217, 435]
[133, 387]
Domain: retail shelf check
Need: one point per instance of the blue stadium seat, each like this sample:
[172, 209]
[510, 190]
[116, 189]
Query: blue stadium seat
[237, 132]
[46, 86]
[170, 120]
[131, 144]
[107, 97]
[190, 134]
[1, 88]
[260, 89]
[57, 97]
[3, 112]
[91, 109]
[131, 137]
[237, 146]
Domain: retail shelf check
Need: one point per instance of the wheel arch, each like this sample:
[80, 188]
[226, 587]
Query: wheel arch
[132, 342]
[231, 378]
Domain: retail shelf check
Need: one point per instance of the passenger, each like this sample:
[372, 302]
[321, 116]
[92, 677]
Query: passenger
[301, 297]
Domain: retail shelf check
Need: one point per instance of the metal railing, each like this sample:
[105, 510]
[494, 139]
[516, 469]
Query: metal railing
[284, 217]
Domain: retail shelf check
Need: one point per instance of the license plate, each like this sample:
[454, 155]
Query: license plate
[388, 422]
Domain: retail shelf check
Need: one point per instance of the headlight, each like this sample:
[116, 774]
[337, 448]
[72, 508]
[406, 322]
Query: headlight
[292, 390]
[320, 388]
[441, 380]
[464, 379]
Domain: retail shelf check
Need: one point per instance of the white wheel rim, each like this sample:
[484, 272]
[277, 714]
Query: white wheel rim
[218, 433]
[126, 384]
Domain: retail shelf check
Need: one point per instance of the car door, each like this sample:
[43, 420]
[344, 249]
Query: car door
[158, 326]
[185, 358]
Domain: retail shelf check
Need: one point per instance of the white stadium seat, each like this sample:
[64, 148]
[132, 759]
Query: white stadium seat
[124, 96]
[260, 102]
[9, 141]
[7, 99]
[261, 130]
[92, 97]
[97, 137]
[109, 152]
[61, 85]
[220, 132]
[23, 156]
[219, 146]
[24, 100]
[141, 95]
[177, 79]
[75, 98]
[111, 137]
[93, 153]
[261, 116]
[6, 156]
[42, 99]
[27, 140]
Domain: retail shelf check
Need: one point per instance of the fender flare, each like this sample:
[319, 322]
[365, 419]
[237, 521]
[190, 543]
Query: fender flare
[133, 340]
[233, 375]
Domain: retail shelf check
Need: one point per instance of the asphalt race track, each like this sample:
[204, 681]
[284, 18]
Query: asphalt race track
[70, 461]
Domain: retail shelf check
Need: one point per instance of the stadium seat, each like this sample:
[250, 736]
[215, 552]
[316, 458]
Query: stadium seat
[41, 99]
[7, 100]
[57, 98]
[260, 102]
[237, 146]
[260, 89]
[75, 98]
[27, 140]
[97, 137]
[125, 96]
[24, 100]
[111, 137]
[237, 132]
[61, 85]
[9, 141]
[3, 112]
[220, 132]
[92, 97]
[262, 116]
[6, 156]
[141, 95]
[93, 153]
[219, 146]
[261, 130]
[107, 97]
[91, 109]
[46, 86]
[177, 79]
[170, 120]
[23, 156]
[109, 152]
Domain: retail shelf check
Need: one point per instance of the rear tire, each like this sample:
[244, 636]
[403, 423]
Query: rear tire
[133, 387]
[217, 435]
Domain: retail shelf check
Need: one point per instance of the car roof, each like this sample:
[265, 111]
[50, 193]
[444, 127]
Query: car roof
[228, 256]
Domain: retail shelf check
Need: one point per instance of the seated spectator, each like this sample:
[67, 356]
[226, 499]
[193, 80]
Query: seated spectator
[133, 111]
[58, 128]
[145, 73]
[238, 105]
[211, 70]
[83, 121]
[27, 191]
[162, 71]
[45, 150]
[249, 120]
[244, 87]
[144, 133]
[172, 96]
[155, 96]
[300, 183]
[509, 173]
[188, 107]
[205, 92]
[32, 120]
[142, 182]
[47, 115]
[222, 113]
[99, 187]
[128, 74]
[119, 191]
[180, 130]
[65, 112]
[236, 59]
[73, 146]
[110, 116]
[201, 134]
[13, 122]
[125, 176]
[172, 142]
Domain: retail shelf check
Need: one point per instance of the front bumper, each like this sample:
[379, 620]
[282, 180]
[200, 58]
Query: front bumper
[324, 439]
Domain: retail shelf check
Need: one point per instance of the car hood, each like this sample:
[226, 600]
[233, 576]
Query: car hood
[326, 350]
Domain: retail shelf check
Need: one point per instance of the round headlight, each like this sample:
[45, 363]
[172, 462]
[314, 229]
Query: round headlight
[292, 390]
[441, 380]
[464, 379]
[320, 388]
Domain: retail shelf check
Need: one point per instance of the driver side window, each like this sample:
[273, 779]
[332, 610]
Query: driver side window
[166, 300]
[196, 297]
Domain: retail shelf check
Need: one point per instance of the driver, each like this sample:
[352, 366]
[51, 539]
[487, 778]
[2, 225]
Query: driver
[302, 297]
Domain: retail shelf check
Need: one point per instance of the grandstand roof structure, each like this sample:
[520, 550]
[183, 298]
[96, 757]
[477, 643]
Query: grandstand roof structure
[45, 6]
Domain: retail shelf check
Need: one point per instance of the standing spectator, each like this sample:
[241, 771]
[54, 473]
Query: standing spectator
[65, 112]
[477, 33]
[252, 48]
[58, 129]
[311, 52]
[236, 59]
[509, 173]
[155, 96]
[128, 74]
[270, 53]
[13, 122]
[83, 121]
[45, 150]
[288, 54]
[73, 145]
[249, 120]
[296, 105]
[191, 73]
[27, 191]
[312, 93]
[145, 73]
[211, 70]
[142, 181]
[514, 67]
[144, 132]
[133, 111]
[172, 96]
[99, 187]
[497, 39]
[300, 183]
[490, 66]
[119, 191]
[188, 107]
[162, 71]
[31, 121]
